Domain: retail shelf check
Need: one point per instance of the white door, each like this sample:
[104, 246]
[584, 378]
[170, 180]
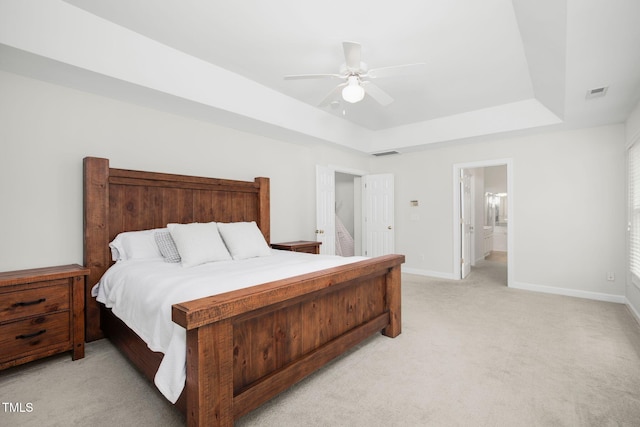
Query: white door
[326, 209]
[465, 222]
[378, 209]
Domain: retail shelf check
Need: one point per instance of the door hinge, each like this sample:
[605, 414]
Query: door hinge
[461, 261]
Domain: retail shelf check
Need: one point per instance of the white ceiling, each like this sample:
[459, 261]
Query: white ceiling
[492, 66]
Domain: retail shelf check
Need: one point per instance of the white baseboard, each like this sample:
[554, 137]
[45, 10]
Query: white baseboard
[570, 292]
[633, 310]
[428, 273]
[620, 299]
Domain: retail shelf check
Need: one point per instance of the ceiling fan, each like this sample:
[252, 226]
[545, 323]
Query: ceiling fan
[356, 75]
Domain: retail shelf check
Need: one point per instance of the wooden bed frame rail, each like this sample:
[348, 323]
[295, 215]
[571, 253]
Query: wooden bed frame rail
[245, 346]
[259, 341]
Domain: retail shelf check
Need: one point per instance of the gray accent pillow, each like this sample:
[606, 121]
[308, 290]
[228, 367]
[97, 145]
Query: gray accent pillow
[167, 246]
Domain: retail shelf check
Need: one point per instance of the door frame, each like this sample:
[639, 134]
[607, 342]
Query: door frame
[457, 235]
[466, 223]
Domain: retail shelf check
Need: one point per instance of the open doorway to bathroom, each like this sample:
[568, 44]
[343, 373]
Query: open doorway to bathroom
[483, 218]
[491, 245]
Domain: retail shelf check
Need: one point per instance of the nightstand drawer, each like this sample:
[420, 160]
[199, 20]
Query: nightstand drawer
[312, 249]
[48, 297]
[34, 334]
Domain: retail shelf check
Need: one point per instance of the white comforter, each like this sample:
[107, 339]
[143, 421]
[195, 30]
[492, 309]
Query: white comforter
[141, 293]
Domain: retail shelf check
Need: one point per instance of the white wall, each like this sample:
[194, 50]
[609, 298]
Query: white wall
[495, 180]
[47, 130]
[569, 224]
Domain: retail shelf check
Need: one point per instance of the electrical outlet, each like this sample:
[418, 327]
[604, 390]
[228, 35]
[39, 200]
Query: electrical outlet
[611, 276]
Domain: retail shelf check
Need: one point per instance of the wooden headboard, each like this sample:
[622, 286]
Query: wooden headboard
[117, 200]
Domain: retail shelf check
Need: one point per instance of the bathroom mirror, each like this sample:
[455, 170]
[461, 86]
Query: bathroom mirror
[495, 209]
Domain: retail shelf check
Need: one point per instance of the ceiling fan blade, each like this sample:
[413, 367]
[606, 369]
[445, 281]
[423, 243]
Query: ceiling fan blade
[312, 76]
[332, 95]
[377, 94]
[352, 55]
[397, 70]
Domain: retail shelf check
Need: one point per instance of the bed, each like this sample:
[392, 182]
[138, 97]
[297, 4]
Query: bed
[243, 347]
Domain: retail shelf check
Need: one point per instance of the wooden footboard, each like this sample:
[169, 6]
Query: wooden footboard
[246, 346]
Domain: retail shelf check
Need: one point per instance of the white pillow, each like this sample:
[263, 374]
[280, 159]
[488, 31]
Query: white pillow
[198, 243]
[135, 245]
[244, 239]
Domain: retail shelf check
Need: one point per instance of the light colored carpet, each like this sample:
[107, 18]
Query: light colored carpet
[471, 353]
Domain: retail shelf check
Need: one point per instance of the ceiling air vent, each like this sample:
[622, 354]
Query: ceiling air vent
[385, 153]
[597, 92]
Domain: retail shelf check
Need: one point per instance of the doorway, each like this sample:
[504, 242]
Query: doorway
[348, 213]
[483, 223]
[356, 206]
[339, 210]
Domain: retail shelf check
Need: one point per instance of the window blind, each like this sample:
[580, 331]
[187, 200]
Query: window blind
[634, 211]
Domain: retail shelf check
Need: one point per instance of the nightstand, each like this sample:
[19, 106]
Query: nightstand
[307, 246]
[41, 313]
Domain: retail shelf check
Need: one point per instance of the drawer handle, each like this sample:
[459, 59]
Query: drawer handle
[23, 304]
[27, 336]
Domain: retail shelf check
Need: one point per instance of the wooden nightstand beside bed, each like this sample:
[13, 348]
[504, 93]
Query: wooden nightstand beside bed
[307, 246]
[41, 313]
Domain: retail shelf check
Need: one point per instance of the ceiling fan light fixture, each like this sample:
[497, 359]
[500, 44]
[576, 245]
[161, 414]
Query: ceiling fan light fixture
[353, 92]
